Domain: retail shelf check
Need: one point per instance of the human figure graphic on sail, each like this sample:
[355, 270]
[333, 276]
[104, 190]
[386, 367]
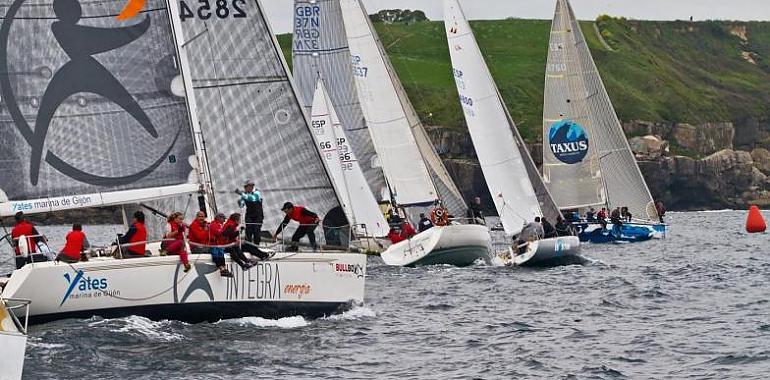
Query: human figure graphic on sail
[83, 73]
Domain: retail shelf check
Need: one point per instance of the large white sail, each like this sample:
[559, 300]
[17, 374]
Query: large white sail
[355, 16]
[320, 49]
[498, 151]
[102, 124]
[587, 157]
[358, 202]
[250, 116]
[391, 131]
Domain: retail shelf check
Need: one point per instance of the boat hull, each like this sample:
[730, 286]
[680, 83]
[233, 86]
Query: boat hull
[305, 284]
[546, 253]
[629, 232]
[13, 341]
[459, 245]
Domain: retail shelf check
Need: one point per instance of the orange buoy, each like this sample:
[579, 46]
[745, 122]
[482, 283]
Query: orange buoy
[755, 223]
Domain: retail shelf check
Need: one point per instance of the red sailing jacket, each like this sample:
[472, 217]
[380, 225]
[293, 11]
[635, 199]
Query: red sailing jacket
[299, 216]
[215, 232]
[74, 244]
[199, 233]
[140, 236]
[229, 233]
[25, 228]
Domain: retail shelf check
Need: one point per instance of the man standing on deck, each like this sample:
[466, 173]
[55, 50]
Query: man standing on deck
[308, 221]
[475, 212]
[25, 228]
[252, 200]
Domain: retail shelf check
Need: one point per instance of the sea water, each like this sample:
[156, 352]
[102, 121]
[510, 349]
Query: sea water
[694, 305]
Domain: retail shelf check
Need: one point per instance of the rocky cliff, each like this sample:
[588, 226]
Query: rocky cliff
[686, 166]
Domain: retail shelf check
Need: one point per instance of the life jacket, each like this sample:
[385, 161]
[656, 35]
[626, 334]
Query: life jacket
[25, 228]
[74, 245]
[229, 233]
[198, 233]
[297, 216]
[139, 237]
[215, 232]
[439, 216]
[395, 237]
[253, 203]
[407, 231]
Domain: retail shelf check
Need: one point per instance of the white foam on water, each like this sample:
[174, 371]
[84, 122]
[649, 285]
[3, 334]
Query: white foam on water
[354, 314]
[142, 326]
[35, 342]
[283, 323]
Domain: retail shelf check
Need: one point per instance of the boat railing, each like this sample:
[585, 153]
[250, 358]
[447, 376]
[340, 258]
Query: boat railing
[283, 242]
[17, 307]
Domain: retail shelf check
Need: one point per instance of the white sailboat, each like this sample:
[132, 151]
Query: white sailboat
[587, 159]
[358, 201]
[413, 169]
[13, 337]
[243, 107]
[502, 154]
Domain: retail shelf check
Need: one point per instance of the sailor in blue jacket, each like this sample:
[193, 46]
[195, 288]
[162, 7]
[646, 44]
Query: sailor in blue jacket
[252, 200]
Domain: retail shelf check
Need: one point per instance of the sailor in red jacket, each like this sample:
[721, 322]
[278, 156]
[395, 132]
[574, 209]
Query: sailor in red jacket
[75, 246]
[199, 234]
[308, 221]
[24, 228]
[134, 242]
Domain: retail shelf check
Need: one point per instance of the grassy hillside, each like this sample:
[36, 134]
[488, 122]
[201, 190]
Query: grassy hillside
[656, 71]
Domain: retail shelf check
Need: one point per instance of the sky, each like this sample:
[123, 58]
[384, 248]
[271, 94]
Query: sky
[280, 11]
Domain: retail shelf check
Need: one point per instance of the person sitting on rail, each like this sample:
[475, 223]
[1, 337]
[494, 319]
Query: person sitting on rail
[216, 244]
[199, 235]
[25, 228]
[133, 244]
[173, 240]
[548, 229]
[308, 221]
[75, 246]
[626, 215]
[562, 228]
[231, 238]
[424, 224]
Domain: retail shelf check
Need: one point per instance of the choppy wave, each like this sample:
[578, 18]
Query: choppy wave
[354, 314]
[283, 323]
[141, 326]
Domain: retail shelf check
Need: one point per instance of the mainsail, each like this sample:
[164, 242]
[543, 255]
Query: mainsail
[371, 60]
[505, 162]
[358, 202]
[587, 159]
[250, 117]
[92, 113]
[320, 49]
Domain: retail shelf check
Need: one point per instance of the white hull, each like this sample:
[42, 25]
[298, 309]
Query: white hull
[309, 284]
[546, 252]
[14, 344]
[459, 245]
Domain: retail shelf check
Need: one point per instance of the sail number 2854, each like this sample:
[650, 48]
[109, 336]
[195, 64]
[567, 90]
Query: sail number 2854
[207, 9]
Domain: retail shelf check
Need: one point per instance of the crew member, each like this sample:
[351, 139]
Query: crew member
[532, 231]
[424, 224]
[231, 237]
[615, 218]
[174, 243]
[475, 212]
[591, 215]
[308, 221]
[252, 200]
[661, 208]
[199, 234]
[562, 228]
[133, 243]
[75, 246]
[395, 235]
[548, 230]
[25, 228]
[216, 243]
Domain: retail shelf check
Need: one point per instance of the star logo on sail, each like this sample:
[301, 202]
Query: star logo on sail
[568, 142]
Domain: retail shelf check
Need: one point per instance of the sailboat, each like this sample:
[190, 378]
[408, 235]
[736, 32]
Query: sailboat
[587, 161]
[357, 200]
[208, 110]
[13, 337]
[415, 174]
[510, 172]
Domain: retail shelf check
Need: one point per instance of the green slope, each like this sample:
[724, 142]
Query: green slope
[657, 71]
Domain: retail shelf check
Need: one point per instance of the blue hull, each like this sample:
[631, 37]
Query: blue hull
[628, 233]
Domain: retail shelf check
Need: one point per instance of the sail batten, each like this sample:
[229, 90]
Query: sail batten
[255, 130]
[603, 170]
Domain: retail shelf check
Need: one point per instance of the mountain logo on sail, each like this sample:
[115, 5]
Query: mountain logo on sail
[568, 142]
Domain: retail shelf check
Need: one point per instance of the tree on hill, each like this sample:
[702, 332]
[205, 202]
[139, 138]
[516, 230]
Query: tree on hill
[393, 16]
